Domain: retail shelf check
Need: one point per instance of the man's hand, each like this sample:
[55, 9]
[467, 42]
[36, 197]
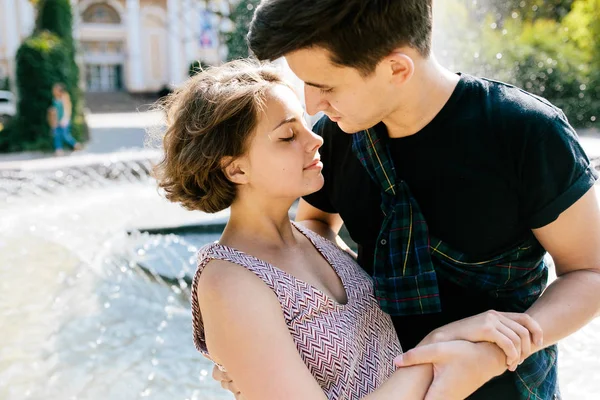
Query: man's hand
[226, 382]
[459, 367]
[517, 334]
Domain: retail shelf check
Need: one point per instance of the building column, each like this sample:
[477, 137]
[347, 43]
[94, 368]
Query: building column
[12, 38]
[174, 42]
[135, 73]
[27, 17]
[77, 42]
[191, 24]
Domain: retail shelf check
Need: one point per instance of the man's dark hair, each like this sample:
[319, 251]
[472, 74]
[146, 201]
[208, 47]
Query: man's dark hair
[357, 33]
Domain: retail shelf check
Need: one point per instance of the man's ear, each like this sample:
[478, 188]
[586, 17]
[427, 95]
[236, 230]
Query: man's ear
[401, 66]
[235, 170]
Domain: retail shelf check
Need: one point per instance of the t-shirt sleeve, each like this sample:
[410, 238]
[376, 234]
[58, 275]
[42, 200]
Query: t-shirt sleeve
[321, 199]
[555, 172]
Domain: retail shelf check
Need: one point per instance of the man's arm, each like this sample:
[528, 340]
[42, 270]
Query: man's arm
[573, 299]
[325, 224]
[52, 117]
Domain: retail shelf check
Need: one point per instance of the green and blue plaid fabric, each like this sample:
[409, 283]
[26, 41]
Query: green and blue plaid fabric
[408, 260]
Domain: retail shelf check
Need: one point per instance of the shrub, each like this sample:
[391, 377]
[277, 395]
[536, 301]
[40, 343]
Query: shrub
[42, 60]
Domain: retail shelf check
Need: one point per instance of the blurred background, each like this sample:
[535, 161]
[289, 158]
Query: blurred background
[95, 265]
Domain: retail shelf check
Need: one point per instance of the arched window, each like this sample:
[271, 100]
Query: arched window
[100, 13]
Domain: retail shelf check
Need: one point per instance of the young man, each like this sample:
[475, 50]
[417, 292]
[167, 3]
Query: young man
[454, 187]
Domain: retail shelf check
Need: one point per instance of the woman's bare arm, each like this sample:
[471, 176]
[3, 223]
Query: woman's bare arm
[246, 332]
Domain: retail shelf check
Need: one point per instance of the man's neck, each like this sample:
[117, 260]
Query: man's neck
[428, 92]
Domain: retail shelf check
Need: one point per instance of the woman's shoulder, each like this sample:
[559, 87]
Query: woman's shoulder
[223, 273]
[223, 291]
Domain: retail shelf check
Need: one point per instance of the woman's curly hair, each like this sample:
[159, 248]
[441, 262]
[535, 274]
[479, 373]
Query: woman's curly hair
[208, 119]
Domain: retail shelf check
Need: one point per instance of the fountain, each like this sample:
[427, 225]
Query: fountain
[84, 312]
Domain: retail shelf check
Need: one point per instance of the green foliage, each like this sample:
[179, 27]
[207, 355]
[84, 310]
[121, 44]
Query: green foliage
[45, 58]
[56, 16]
[558, 59]
[236, 40]
[5, 83]
[42, 60]
[527, 10]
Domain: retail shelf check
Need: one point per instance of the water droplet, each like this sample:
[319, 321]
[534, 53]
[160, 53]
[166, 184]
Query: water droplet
[107, 305]
[593, 118]
[204, 372]
[515, 15]
[493, 25]
[499, 56]
[162, 325]
[582, 87]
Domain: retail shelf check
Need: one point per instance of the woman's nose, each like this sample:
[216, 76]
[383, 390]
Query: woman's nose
[315, 141]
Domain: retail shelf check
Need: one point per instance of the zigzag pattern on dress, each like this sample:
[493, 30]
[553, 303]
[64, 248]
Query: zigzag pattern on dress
[349, 348]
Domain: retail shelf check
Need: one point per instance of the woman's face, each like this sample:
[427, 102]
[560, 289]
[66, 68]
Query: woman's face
[283, 159]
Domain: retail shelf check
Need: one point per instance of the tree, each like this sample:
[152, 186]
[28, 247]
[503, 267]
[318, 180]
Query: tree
[45, 58]
[56, 16]
[529, 10]
[41, 61]
[241, 17]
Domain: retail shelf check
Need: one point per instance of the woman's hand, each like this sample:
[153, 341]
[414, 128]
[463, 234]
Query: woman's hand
[459, 367]
[517, 334]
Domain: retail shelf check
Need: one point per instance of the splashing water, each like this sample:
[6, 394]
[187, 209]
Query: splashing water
[80, 319]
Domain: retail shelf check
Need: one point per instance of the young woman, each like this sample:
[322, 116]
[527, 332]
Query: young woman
[286, 312]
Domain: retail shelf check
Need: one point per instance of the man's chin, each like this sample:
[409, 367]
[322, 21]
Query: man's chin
[349, 128]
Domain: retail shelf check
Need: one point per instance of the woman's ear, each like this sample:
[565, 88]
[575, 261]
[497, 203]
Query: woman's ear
[234, 170]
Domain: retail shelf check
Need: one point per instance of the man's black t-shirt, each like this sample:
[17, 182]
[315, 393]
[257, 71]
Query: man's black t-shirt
[495, 163]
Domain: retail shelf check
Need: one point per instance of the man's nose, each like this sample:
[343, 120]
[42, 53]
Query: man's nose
[314, 100]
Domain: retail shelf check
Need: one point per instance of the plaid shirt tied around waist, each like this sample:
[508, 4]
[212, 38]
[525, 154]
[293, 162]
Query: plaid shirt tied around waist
[408, 261]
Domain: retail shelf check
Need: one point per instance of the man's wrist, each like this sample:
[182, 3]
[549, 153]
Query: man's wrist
[495, 356]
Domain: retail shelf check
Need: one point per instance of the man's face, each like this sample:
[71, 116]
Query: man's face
[353, 101]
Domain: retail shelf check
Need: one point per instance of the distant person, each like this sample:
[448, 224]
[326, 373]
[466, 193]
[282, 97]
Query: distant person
[59, 119]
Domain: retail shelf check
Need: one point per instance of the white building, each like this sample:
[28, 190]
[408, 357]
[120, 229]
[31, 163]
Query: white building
[131, 45]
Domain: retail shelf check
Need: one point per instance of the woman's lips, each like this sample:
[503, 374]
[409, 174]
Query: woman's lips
[316, 164]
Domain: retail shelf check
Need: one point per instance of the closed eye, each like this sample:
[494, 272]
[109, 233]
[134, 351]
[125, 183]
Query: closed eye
[291, 138]
[325, 91]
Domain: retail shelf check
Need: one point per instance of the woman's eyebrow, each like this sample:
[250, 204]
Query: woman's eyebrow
[285, 121]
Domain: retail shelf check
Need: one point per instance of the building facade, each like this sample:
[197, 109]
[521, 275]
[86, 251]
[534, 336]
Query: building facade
[131, 45]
